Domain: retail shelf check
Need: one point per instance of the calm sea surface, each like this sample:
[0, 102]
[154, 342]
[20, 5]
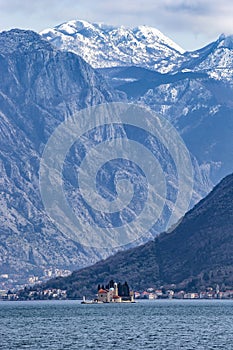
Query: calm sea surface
[144, 325]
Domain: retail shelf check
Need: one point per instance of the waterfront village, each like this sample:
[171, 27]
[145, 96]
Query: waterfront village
[117, 293]
[13, 282]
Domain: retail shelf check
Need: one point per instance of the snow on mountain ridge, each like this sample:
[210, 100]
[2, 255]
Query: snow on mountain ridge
[105, 46]
[226, 41]
[151, 32]
[214, 59]
[110, 46]
[217, 58]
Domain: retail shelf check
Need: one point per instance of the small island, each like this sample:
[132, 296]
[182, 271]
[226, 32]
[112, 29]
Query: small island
[112, 293]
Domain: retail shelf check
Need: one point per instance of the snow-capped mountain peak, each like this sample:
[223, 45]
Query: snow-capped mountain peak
[215, 59]
[152, 34]
[73, 27]
[226, 41]
[108, 46]
[218, 59]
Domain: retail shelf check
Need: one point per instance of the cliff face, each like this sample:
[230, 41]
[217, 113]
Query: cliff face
[40, 87]
[197, 253]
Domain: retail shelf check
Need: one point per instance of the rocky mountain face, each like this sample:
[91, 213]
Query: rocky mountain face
[193, 90]
[203, 118]
[196, 254]
[196, 98]
[39, 87]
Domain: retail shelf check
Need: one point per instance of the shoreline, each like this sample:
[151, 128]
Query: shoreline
[137, 301]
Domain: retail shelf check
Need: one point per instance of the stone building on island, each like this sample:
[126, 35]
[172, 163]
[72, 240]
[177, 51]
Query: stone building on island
[115, 293]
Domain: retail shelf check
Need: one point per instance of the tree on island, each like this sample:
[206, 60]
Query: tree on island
[111, 284]
[125, 290]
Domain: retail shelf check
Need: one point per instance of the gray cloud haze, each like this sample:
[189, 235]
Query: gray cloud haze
[191, 23]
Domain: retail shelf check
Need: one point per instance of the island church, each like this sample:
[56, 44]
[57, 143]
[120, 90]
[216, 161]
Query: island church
[115, 293]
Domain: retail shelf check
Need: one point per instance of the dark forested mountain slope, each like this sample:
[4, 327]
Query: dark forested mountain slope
[197, 253]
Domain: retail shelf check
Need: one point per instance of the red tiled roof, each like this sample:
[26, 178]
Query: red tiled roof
[101, 291]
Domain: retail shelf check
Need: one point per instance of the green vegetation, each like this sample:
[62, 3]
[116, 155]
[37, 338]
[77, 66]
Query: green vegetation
[196, 254]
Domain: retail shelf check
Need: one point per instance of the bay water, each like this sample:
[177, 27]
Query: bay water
[165, 325]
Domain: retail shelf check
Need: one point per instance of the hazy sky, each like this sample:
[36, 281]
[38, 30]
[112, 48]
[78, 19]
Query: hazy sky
[190, 23]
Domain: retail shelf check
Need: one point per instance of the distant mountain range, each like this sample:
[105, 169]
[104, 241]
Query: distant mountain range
[107, 46]
[197, 254]
[104, 46]
[46, 78]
